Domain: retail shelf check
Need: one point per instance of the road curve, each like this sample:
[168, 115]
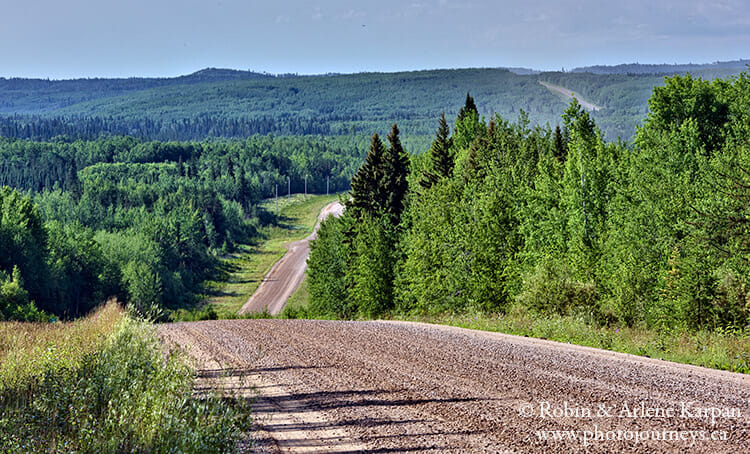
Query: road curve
[287, 274]
[333, 386]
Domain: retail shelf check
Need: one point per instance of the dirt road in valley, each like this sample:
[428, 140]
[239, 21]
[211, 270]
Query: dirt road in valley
[570, 95]
[287, 274]
[330, 386]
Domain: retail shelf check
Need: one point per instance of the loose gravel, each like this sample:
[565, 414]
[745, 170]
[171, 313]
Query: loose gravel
[334, 386]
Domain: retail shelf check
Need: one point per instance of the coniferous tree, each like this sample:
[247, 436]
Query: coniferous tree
[561, 145]
[394, 184]
[72, 183]
[365, 194]
[469, 107]
[441, 156]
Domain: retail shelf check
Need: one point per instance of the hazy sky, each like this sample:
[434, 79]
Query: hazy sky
[108, 38]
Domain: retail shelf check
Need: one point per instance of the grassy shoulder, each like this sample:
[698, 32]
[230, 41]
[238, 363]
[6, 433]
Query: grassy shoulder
[245, 269]
[104, 384]
[725, 350]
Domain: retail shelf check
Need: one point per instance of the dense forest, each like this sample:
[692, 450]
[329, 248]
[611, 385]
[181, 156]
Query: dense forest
[704, 70]
[238, 104]
[500, 215]
[142, 221]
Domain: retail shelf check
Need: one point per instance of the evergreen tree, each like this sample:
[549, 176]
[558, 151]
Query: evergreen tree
[72, 183]
[440, 155]
[561, 144]
[366, 196]
[394, 185]
[468, 108]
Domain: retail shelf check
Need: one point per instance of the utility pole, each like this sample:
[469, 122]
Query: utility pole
[328, 184]
[277, 199]
[288, 187]
[305, 187]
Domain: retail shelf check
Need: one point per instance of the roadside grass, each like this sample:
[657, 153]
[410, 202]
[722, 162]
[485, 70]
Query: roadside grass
[245, 269]
[28, 350]
[296, 306]
[721, 349]
[103, 384]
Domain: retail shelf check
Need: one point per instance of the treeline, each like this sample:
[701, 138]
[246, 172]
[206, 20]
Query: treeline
[234, 104]
[147, 128]
[143, 221]
[499, 215]
[325, 104]
[704, 70]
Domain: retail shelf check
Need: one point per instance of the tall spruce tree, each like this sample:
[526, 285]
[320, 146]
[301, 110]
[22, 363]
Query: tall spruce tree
[394, 185]
[441, 156]
[469, 107]
[366, 196]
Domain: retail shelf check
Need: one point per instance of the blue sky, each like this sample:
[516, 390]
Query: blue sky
[104, 38]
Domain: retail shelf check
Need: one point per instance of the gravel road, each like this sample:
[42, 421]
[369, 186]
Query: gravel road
[570, 95]
[287, 274]
[331, 386]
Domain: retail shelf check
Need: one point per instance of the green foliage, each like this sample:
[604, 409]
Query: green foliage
[394, 185]
[327, 269]
[23, 242]
[123, 396]
[352, 264]
[373, 266]
[366, 195]
[14, 299]
[566, 224]
[440, 155]
[145, 221]
[380, 185]
[553, 289]
[429, 279]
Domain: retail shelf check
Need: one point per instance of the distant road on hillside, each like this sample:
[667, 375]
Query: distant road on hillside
[569, 94]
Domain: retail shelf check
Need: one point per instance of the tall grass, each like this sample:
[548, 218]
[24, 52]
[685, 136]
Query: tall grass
[104, 385]
[28, 350]
[719, 349]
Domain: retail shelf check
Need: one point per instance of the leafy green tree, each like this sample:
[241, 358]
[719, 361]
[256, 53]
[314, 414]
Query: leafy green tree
[14, 299]
[373, 266]
[427, 281]
[23, 242]
[585, 188]
[328, 267]
[469, 108]
[77, 265]
[683, 98]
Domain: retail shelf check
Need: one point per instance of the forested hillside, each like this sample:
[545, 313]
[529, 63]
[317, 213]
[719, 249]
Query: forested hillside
[142, 221]
[236, 104]
[501, 215]
[704, 70]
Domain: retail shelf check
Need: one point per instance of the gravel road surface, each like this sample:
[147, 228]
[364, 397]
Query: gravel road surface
[331, 386]
[570, 95]
[287, 274]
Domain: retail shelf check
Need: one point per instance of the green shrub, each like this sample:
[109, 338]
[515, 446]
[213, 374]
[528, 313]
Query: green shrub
[123, 397]
[551, 288]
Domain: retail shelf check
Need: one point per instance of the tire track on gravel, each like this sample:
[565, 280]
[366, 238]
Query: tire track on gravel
[407, 387]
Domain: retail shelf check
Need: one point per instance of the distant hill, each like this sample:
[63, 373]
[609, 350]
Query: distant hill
[703, 70]
[36, 96]
[229, 103]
